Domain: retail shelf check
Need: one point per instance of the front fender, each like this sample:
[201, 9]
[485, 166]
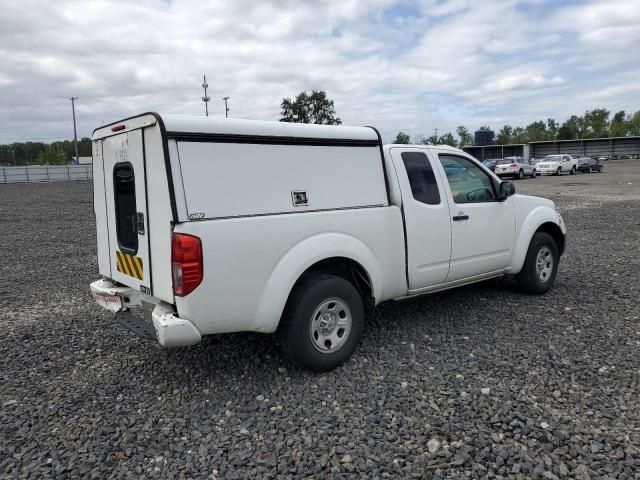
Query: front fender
[302, 256]
[536, 217]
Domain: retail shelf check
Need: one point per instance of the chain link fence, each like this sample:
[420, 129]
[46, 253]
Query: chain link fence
[45, 173]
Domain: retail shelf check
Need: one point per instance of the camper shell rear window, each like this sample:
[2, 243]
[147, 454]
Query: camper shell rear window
[124, 189]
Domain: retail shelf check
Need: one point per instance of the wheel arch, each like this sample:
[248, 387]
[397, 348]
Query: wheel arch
[333, 253]
[542, 219]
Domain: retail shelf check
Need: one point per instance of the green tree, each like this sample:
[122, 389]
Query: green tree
[52, 154]
[618, 126]
[504, 135]
[447, 139]
[552, 129]
[519, 135]
[633, 124]
[403, 138]
[597, 123]
[572, 128]
[465, 137]
[536, 131]
[309, 108]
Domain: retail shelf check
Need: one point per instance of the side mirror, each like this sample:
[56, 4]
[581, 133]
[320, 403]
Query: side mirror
[506, 190]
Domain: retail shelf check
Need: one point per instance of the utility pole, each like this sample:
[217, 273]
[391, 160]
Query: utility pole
[75, 134]
[226, 106]
[435, 130]
[14, 157]
[205, 99]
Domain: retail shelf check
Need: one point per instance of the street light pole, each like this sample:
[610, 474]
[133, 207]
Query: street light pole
[75, 134]
[205, 99]
[226, 106]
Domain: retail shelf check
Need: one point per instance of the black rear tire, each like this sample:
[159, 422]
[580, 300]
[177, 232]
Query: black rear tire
[520, 174]
[530, 279]
[573, 171]
[296, 330]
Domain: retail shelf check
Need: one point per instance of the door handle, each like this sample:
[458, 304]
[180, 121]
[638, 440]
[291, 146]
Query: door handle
[457, 218]
[140, 223]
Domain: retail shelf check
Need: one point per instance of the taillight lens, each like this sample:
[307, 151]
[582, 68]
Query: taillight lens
[186, 263]
[514, 164]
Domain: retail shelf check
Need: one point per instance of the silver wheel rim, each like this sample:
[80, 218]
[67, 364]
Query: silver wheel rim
[330, 325]
[544, 264]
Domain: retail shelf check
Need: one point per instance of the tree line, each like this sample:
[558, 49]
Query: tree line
[40, 153]
[316, 107]
[596, 123]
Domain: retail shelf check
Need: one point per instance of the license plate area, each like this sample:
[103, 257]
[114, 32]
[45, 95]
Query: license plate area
[110, 302]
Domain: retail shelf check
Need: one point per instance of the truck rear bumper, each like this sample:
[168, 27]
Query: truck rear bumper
[170, 330]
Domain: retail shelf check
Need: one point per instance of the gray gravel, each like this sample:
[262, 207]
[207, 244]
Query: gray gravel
[476, 382]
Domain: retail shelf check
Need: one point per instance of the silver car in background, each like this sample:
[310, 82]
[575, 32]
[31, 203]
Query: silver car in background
[516, 167]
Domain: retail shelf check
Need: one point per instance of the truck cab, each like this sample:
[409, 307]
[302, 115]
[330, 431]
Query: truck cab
[298, 230]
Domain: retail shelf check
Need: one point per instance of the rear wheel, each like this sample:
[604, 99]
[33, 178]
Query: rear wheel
[573, 171]
[520, 174]
[540, 265]
[322, 323]
[534, 174]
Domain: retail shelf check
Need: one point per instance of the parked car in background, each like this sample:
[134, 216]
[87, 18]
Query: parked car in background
[557, 164]
[514, 167]
[588, 165]
[604, 158]
[491, 163]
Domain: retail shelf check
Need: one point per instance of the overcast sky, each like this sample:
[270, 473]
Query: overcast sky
[412, 66]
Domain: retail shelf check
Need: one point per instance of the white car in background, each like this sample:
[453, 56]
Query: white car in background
[557, 164]
[516, 167]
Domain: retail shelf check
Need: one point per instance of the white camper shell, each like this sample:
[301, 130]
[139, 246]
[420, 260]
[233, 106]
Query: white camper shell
[235, 225]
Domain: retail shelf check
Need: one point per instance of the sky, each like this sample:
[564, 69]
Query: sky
[397, 65]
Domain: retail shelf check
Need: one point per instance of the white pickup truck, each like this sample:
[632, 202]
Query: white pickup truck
[236, 225]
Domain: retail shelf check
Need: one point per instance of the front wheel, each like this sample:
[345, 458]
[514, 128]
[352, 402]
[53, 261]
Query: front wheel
[520, 174]
[540, 265]
[558, 171]
[322, 323]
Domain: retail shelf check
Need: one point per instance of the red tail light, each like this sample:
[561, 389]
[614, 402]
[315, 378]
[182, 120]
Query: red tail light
[514, 164]
[186, 263]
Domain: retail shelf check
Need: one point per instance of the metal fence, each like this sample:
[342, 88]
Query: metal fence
[45, 173]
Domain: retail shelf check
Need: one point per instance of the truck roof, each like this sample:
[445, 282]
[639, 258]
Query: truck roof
[193, 124]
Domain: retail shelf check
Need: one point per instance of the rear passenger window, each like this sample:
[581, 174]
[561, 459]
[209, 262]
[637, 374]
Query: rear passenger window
[124, 188]
[421, 178]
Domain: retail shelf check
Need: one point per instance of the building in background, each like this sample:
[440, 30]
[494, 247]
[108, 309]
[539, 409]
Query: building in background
[484, 136]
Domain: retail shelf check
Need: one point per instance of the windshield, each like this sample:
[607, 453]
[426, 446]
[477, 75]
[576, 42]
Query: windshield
[552, 158]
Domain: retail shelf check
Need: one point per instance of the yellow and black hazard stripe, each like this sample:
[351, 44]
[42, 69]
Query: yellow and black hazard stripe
[130, 265]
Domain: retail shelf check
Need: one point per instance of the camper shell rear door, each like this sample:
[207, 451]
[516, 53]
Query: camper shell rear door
[124, 176]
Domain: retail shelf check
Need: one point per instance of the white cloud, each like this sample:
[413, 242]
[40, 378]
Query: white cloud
[414, 66]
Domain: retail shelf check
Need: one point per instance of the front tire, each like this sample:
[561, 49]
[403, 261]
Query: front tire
[520, 174]
[558, 172]
[322, 323]
[540, 265]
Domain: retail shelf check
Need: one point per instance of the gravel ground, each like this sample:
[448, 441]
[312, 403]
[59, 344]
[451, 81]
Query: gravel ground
[477, 382]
